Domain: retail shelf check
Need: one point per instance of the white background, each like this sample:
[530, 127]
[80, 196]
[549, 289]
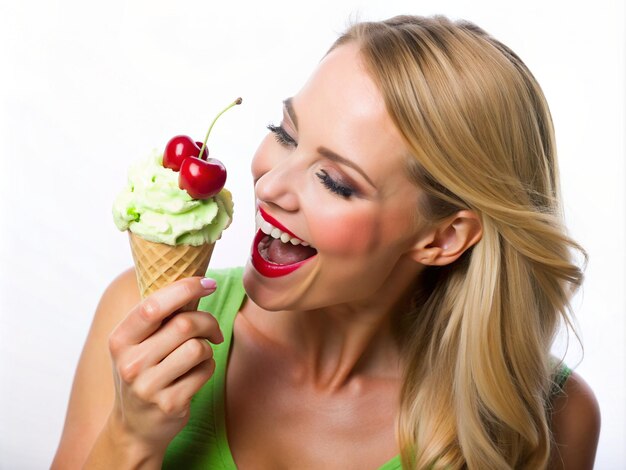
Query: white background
[87, 87]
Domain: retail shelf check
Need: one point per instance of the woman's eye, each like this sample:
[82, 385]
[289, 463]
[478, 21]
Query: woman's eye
[282, 137]
[334, 186]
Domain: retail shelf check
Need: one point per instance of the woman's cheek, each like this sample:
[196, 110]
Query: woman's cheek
[348, 235]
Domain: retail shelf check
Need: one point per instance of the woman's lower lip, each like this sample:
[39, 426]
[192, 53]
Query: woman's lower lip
[267, 269]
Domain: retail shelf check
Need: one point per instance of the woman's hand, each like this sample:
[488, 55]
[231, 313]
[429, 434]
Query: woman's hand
[160, 360]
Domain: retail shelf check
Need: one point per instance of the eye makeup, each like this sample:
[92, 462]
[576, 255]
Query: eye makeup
[281, 135]
[334, 185]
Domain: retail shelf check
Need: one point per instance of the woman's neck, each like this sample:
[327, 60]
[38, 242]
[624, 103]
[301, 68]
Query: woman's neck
[334, 347]
[337, 345]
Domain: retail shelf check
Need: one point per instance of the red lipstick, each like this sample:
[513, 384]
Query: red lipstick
[261, 243]
[268, 269]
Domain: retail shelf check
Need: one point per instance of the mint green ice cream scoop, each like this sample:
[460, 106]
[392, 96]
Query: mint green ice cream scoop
[153, 207]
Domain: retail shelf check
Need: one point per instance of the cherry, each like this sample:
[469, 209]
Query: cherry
[180, 147]
[202, 179]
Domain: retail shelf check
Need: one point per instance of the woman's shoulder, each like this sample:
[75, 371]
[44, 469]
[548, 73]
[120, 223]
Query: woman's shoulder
[575, 419]
[118, 298]
[124, 285]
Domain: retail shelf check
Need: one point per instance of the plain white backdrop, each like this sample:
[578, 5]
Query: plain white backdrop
[88, 87]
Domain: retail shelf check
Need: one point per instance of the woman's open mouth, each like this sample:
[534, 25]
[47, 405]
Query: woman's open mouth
[276, 251]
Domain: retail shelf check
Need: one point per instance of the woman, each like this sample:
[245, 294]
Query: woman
[419, 164]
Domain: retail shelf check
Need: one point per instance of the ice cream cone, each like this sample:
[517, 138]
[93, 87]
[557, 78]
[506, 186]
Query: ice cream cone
[158, 264]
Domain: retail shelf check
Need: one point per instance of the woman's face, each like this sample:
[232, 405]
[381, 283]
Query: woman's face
[332, 174]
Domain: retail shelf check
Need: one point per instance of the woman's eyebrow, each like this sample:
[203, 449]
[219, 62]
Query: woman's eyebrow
[323, 150]
[344, 161]
[290, 111]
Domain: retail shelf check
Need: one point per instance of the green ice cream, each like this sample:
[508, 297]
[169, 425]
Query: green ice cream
[153, 207]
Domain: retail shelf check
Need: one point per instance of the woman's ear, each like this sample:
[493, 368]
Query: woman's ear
[446, 241]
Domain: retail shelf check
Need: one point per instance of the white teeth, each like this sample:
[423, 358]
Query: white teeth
[266, 228]
[269, 229]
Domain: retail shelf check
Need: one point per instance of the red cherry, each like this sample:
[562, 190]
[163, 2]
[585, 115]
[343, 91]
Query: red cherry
[202, 179]
[179, 148]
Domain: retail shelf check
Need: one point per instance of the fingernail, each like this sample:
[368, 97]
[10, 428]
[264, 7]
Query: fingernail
[221, 340]
[208, 283]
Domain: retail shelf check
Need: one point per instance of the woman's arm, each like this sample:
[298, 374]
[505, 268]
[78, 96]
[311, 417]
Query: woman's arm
[92, 394]
[575, 426]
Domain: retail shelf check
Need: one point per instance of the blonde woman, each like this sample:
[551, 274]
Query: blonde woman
[419, 164]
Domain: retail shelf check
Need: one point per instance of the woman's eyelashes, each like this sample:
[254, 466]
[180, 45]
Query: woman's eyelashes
[334, 186]
[282, 136]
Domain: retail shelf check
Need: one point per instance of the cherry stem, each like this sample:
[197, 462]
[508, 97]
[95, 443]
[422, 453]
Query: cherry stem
[236, 102]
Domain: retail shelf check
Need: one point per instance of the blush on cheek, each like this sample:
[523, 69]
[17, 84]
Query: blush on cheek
[350, 236]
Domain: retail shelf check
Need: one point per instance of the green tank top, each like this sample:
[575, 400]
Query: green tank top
[203, 443]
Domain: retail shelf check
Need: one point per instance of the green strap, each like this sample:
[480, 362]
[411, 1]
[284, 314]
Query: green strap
[560, 377]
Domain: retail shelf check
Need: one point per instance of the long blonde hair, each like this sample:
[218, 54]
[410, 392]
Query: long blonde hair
[479, 371]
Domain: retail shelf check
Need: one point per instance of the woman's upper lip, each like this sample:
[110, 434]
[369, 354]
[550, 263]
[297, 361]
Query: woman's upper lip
[276, 223]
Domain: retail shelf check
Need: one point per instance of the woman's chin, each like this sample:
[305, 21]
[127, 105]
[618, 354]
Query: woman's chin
[260, 291]
[291, 292]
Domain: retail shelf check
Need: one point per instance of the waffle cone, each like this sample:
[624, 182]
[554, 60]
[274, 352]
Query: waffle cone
[158, 264]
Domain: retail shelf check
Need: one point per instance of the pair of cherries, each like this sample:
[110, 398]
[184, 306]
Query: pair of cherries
[202, 177]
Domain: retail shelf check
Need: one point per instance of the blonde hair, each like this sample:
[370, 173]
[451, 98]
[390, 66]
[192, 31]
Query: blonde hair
[479, 372]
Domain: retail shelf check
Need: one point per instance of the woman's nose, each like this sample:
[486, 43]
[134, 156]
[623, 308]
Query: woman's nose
[278, 186]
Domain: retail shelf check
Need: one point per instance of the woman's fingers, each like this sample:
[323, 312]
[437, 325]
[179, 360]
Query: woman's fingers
[183, 359]
[175, 332]
[174, 400]
[147, 316]
[176, 397]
